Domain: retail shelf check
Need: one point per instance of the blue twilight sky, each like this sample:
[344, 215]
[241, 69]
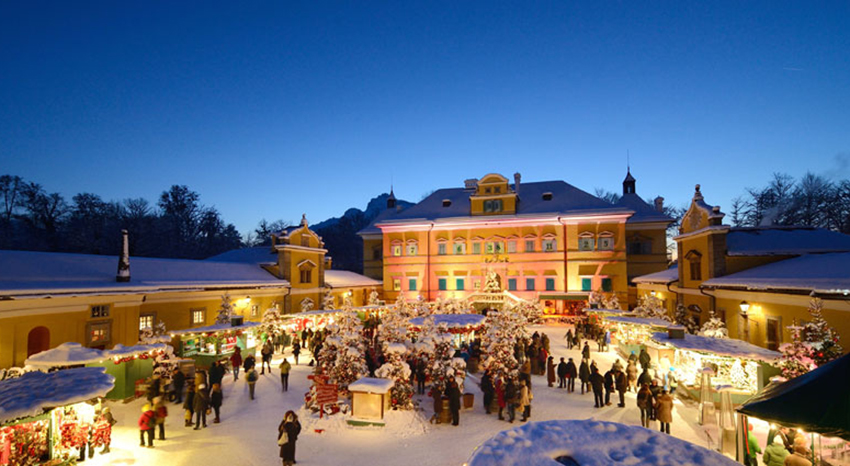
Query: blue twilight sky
[271, 109]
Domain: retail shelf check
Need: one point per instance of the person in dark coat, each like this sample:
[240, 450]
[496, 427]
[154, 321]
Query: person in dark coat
[562, 374]
[584, 376]
[644, 402]
[550, 371]
[249, 363]
[645, 378]
[200, 404]
[236, 362]
[437, 395]
[571, 376]
[292, 427]
[597, 382]
[609, 386]
[621, 383]
[216, 398]
[216, 373]
[189, 404]
[511, 398]
[487, 390]
[266, 353]
[453, 392]
[655, 389]
[644, 359]
[569, 338]
[178, 379]
[296, 350]
[585, 352]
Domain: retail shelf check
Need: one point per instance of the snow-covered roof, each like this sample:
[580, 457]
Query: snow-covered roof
[650, 322]
[452, 320]
[663, 277]
[73, 354]
[33, 392]
[215, 328]
[345, 279]
[28, 273]
[781, 241]
[821, 273]
[643, 212]
[591, 443]
[718, 346]
[371, 385]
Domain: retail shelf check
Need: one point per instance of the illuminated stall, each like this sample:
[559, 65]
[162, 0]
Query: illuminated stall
[44, 417]
[632, 334]
[315, 320]
[462, 327]
[595, 316]
[370, 399]
[216, 342]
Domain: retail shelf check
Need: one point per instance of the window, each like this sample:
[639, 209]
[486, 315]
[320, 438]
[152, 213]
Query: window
[396, 284]
[606, 285]
[197, 315]
[441, 284]
[529, 245]
[529, 284]
[376, 254]
[550, 284]
[497, 189]
[586, 284]
[638, 245]
[511, 246]
[305, 241]
[411, 284]
[412, 249]
[255, 310]
[100, 311]
[99, 333]
[695, 261]
[512, 284]
[606, 243]
[549, 245]
[397, 250]
[460, 249]
[494, 247]
[146, 321]
[441, 249]
[476, 248]
[774, 332]
[459, 284]
[585, 243]
[306, 275]
[493, 205]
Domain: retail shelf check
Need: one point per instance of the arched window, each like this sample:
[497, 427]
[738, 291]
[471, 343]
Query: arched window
[38, 340]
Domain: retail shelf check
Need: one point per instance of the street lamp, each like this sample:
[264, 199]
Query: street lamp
[745, 306]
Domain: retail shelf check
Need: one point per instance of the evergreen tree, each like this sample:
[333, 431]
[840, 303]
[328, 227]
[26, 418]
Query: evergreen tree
[270, 324]
[225, 312]
[714, 328]
[685, 319]
[307, 305]
[350, 363]
[503, 328]
[822, 338]
[797, 355]
[398, 371]
[328, 301]
[651, 307]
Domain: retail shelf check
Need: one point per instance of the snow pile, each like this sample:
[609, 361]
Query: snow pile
[66, 354]
[371, 385]
[399, 424]
[121, 351]
[590, 443]
[29, 394]
[718, 346]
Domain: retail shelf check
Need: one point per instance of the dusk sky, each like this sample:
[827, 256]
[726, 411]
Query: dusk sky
[274, 109]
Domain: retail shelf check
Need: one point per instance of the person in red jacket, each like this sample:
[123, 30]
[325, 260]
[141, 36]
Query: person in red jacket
[161, 414]
[236, 362]
[147, 422]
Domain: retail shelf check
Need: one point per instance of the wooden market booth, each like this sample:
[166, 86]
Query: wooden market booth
[632, 334]
[462, 327]
[216, 342]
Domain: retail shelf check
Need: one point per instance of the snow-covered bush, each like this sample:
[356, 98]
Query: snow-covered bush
[328, 301]
[651, 307]
[350, 362]
[270, 324]
[307, 305]
[714, 327]
[225, 312]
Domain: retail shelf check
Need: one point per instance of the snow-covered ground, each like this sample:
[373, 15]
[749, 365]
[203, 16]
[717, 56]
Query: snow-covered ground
[248, 432]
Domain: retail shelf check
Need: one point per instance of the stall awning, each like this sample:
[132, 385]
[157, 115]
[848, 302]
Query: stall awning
[563, 296]
[814, 402]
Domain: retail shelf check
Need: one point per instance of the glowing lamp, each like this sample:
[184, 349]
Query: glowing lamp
[745, 306]
[370, 398]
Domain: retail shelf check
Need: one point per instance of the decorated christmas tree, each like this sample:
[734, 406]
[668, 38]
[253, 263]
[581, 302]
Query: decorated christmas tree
[398, 371]
[796, 356]
[820, 336]
[350, 363]
[651, 307]
[225, 312]
[307, 305]
[503, 328]
[328, 301]
[165, 361]
[714, 327]
[526, 312]
[373, 298]
[611, 302]
[443, 368]
[270, 325]
[395, 323]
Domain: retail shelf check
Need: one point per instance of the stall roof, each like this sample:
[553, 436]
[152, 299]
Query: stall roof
[215, 328]
[650, 322]
[371, 385]
[73, 354]
[452, 320]
[815, 402]
[720, 346]
[33, 392]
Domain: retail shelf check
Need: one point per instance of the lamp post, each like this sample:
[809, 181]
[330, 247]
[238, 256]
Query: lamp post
[745, 306]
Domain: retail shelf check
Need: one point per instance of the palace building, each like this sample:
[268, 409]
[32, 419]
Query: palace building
[540, 240]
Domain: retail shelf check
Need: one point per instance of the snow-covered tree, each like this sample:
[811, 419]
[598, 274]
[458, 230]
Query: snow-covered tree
[270, 325]
[526, 312]
[651, 307]
[225, 312]
[820, 336]
[714, 327]
[797, 355]
[397, 370]
[373, 298]
[685, 319]
[350, 363]
[503, 328]
[442, 368]
[612, 302]
[394, 325]
[152, 336]
[307, 305]
[328, 301]
[595, 297]
[165, 361]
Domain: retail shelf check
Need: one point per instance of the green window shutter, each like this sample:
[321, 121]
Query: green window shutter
[459, 283]
[529, 284]
[585, 284]
[606, 284]
[442, 284]
[512, 284]
[411, 284]
[550, 284]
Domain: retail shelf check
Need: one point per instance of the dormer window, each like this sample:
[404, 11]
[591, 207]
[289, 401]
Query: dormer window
[694, 259]
[412, 248]
[447, 203]
[585, 241]
[547, 196]
[497, 189]
[305, 269]
[606, 241]
[493, 205]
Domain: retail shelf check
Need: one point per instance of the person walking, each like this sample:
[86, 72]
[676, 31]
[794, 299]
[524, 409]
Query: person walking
[672, 383]
[644, 359]
[147, 423]
[251, 376]
[189, 405]
[500, 397]
[571, 376]
[631, 375]
[609, 386]
[655, 389]
[285, 368]
[200, 405]
[550, 371]
[644, 401]
[487, 390]
[622, 384]
[645, 378]
[453, 392]
[752, 448]
[287, 435]
[216, 397]
[511, 396]
[236, 362]
[161, 414]
[664, 411]
[266, 353]
[584, 376]
[569, 338]
[178, 381]
[562, 374]
[596, 382]
[296, 350]
[585, 352]
[249, 363]
[525, 398]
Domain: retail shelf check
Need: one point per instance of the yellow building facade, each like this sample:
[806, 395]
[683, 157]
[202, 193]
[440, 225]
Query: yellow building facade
[546, 241]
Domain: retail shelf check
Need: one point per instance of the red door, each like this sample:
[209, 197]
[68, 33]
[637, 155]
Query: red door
[38, 340]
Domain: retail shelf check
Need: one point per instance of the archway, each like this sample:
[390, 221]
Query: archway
[38, 340]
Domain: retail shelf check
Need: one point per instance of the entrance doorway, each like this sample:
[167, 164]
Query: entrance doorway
[38, 340]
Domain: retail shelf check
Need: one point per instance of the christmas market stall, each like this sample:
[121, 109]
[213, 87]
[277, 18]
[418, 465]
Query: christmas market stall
[634, 333]
[44, 417]
[743, 366]
[596, 315]
[216, 342]
[129, 366]
[370, 399]
[315, 320]
[463, 327]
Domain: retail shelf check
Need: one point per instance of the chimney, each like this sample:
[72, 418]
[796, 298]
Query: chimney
[470, 184]
[517, 179]
[659, 204]
[124, 261]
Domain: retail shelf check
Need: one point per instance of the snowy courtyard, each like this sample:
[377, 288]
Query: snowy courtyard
[248, 431]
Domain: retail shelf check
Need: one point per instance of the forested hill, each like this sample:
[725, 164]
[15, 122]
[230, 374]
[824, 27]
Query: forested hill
[340, 233]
